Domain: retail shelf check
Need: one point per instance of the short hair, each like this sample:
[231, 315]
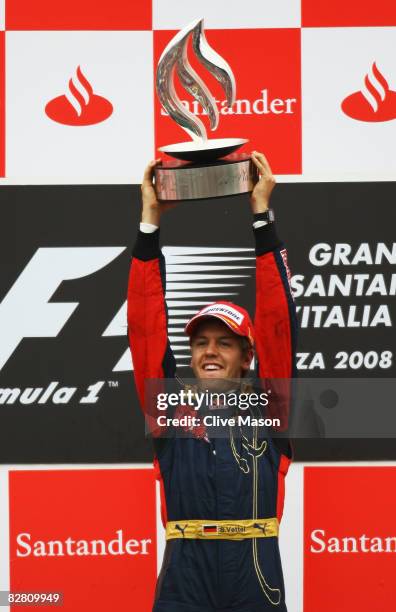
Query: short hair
[243, 341]
[245, 345]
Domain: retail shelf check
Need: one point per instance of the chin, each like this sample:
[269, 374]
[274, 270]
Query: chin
[219, 384]
[211, 375]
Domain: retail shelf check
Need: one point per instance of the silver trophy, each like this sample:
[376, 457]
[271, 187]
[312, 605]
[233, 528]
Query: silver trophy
[207, 168]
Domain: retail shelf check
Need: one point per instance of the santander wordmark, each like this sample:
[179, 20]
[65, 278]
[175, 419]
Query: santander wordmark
[322, 543]
[265, 104]
[27, 546]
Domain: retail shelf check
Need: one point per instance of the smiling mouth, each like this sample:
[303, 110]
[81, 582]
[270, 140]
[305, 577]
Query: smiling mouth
[211, 367]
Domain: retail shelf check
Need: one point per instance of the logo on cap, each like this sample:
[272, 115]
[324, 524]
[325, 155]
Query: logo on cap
[225, 311]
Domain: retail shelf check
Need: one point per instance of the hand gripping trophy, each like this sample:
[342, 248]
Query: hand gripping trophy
[209, 167]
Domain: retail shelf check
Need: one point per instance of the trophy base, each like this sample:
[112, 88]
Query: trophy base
[232, 175]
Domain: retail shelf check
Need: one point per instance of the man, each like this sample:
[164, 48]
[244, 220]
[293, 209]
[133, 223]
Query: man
[214, 489]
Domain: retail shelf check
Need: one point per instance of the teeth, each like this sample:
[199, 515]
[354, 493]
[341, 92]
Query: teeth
[211, 367]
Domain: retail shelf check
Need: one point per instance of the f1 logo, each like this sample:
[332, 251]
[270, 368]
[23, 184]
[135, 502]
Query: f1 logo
[27, 302]
[26, 312]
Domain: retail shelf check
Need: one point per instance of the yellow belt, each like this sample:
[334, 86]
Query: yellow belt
[198, 529]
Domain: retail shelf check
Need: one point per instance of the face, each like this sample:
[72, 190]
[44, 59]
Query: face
[216, 352]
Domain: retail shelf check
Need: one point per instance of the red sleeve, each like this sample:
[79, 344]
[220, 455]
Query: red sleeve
[147, 316]
[275, 317]
[275, 323]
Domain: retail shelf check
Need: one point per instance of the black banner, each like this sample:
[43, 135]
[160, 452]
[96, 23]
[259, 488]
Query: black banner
[66, 387]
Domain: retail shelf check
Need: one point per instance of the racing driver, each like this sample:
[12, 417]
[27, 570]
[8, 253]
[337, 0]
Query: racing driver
[222, 497]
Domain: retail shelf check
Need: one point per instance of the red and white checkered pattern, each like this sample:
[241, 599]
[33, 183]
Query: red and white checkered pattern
[97, 501]
[324, 503]
[295, 62]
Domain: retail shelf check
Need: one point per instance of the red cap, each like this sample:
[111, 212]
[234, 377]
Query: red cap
[235, 317]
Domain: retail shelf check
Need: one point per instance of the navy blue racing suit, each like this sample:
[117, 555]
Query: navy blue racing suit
[221, 478]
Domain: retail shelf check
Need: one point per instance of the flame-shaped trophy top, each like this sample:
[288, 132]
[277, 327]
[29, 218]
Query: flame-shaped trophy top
[173, 60]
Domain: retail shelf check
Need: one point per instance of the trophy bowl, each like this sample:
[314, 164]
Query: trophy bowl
[207, 151]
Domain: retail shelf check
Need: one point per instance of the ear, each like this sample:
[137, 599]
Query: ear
[247, 359]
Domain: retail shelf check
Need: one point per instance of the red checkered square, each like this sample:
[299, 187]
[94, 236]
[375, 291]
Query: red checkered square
[351, 13]
[349, 538]
[84, 533]
[266, 65]
[78, 15]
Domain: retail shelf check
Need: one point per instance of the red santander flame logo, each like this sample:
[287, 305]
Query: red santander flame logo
[375, 102]
[79, 106]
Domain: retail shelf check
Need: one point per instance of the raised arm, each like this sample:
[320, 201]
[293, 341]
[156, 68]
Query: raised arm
[147, 316]
[275, 317]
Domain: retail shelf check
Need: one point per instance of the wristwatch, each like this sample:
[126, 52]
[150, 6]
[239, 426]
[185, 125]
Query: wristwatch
[268, 216]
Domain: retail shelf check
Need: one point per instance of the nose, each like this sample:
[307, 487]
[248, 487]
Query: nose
[211, 348]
